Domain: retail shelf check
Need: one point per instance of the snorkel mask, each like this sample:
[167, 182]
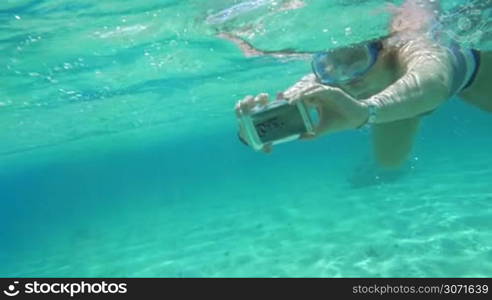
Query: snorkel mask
[344, 65]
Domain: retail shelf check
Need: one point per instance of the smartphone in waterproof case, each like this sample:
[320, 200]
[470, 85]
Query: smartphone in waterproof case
[278, 122]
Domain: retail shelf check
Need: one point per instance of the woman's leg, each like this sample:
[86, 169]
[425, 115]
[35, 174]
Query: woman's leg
[393, 141]
[479, 93]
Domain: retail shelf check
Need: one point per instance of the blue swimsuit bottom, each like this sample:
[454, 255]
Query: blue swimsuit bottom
[466, 63]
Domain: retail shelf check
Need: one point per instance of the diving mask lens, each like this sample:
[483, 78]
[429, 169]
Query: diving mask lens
[344, 65]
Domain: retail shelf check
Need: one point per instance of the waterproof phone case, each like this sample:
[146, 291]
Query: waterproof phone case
[278, 122]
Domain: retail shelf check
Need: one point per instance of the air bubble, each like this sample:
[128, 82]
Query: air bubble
[464, 24]
[348, 31]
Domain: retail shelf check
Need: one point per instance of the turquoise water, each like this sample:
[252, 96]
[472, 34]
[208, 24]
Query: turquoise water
[119, 155]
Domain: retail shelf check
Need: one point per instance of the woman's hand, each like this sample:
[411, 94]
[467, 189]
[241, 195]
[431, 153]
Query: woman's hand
[244, 107]
[338, 110]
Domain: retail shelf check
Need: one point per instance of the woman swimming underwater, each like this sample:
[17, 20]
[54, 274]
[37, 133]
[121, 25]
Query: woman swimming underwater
[389, 83]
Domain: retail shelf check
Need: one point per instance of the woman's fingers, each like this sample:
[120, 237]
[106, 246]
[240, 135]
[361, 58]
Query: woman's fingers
[237, 109]
[329, 93]
[307, 94]
[261, 99]
[296, 90]
[244, 106]
[248, 103]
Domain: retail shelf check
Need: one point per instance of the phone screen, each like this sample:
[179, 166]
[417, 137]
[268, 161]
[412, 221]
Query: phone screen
[278, 122]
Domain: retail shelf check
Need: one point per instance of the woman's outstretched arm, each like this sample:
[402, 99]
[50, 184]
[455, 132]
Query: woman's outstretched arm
[426, 83]
[427, 79]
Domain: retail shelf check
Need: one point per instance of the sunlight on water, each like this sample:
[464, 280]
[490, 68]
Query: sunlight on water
[119, 155]
[119, 66]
